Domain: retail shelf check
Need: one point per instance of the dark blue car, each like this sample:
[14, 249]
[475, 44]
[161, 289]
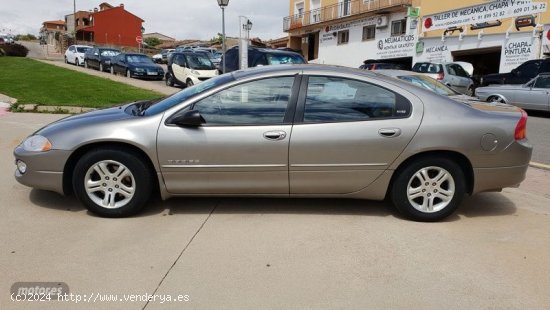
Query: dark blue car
[137, 66]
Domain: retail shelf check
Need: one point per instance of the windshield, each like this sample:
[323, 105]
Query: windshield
[279, 59]
[429, 83]
[82, 49]
[199, 62]
[109, 53]
[138, 59]
[187, 93]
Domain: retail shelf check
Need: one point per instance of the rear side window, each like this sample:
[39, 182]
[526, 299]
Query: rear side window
[333, 99]
[426, 67]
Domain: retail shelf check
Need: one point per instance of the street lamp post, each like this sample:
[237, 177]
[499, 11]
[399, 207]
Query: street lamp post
[223, 4]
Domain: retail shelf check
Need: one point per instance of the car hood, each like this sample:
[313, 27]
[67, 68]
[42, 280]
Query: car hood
[498, 87]
[93, 118]
[145, 66]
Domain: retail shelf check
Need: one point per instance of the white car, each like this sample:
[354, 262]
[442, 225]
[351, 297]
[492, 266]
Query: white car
[189, 68]
[75, 54]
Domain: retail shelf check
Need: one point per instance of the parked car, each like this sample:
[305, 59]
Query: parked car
[450, 74]
[137, 66]
[285, 131]
[214, 55]
[75, 54]
[382, 66]
[520, 75]
[189, 68]
[427, 82]
[100, 58]
[533, 95]
[260, 57]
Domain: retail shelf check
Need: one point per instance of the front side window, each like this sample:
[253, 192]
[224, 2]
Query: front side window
[543, 81]
[529, 69]
[260, 102]
[343, 37]
[333, 99]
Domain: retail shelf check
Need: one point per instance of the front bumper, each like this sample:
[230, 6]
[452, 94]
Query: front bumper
[44, 169]
[145, 75]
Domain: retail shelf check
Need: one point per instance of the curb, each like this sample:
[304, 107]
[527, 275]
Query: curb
[539, 165]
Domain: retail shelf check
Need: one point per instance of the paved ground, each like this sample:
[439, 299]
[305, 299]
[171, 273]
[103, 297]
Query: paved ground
[538, 132]
[232, 253]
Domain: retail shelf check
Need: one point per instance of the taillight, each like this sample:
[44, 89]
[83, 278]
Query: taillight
[521, 127]
[440, 76]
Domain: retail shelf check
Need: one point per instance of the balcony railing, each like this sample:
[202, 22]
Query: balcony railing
[339, 10]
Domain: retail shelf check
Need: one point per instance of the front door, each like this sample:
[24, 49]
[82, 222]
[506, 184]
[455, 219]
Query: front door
[350, 132]
[242, 147]
[534, 96]
[179, 67]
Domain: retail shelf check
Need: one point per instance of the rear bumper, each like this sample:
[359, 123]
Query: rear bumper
[495, 179]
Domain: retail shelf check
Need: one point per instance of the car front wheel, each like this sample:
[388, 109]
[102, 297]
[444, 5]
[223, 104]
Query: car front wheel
[101, 67]
[76, 62]
[86, 64]
[113, 70]
[189, 83]
[429, 189]
[169, 80]
[128, 74]
[112, 182]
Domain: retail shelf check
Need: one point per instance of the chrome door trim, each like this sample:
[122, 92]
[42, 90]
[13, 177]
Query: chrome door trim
[224, 166]
[340, 165]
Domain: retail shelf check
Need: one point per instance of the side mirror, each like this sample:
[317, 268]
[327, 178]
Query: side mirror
[190, 118]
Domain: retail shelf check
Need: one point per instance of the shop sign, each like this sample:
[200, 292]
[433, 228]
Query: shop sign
[395, 47]
[482, 13]
[515, 52]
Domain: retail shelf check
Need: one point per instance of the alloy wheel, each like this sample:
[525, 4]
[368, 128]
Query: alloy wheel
[431, 189]
[109, 184]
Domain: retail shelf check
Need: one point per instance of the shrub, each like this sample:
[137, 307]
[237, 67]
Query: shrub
[17, 50]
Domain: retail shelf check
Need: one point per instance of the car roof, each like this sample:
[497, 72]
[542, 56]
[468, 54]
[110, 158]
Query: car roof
[396, 73]
[134, 54]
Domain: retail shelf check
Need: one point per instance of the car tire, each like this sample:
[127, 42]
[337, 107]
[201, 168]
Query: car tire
[66, 61]
[86, 64]
[429, 189]
[471, 91]
[112, 182]
[76, 62]
[113, 70]
[169, 80]
[496, 99]
[189, 83]
[128, 74]
[101, 67]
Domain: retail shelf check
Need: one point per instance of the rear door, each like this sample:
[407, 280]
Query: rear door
[347, 132]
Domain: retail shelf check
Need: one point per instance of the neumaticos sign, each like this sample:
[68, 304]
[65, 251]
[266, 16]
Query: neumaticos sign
[482, 13]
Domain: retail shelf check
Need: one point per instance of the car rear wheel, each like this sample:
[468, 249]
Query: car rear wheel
[112, 182]
[169, 80]
[429, 189]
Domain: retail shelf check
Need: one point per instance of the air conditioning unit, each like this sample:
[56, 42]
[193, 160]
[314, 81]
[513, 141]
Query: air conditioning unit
[382, 21]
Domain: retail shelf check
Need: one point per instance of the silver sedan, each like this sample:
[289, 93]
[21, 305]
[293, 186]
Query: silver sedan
[533, 95]
[284, 131]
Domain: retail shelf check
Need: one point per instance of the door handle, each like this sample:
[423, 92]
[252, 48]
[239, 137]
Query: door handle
[275, 135]
[389, 132]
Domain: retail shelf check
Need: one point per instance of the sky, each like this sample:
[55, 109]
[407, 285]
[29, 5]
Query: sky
[182, 19]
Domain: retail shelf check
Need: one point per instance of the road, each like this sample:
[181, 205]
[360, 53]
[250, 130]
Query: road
[538, 132]
[261, 253]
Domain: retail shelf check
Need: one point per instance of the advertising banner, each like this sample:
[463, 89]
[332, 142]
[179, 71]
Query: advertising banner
[517, 51]
[482, 13]
[396, 47]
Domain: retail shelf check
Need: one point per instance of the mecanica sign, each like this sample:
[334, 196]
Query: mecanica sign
[482, 13]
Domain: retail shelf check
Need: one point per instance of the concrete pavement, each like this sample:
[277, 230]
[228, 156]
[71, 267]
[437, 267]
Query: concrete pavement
[236, 253]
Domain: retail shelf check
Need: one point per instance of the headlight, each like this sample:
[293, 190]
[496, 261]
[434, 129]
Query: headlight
[195, 72]
[37, 144]
[140, 70]
[216, 72]
[107, 62]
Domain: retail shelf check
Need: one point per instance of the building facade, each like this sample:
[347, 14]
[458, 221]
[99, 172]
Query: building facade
[495, 35]
[50, 32]
[107, 25]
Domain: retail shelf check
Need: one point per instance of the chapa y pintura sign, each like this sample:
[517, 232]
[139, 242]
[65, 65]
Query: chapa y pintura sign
[482, 13]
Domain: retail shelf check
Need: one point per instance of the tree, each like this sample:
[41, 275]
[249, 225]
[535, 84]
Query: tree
[217, 39]
[152, 41]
